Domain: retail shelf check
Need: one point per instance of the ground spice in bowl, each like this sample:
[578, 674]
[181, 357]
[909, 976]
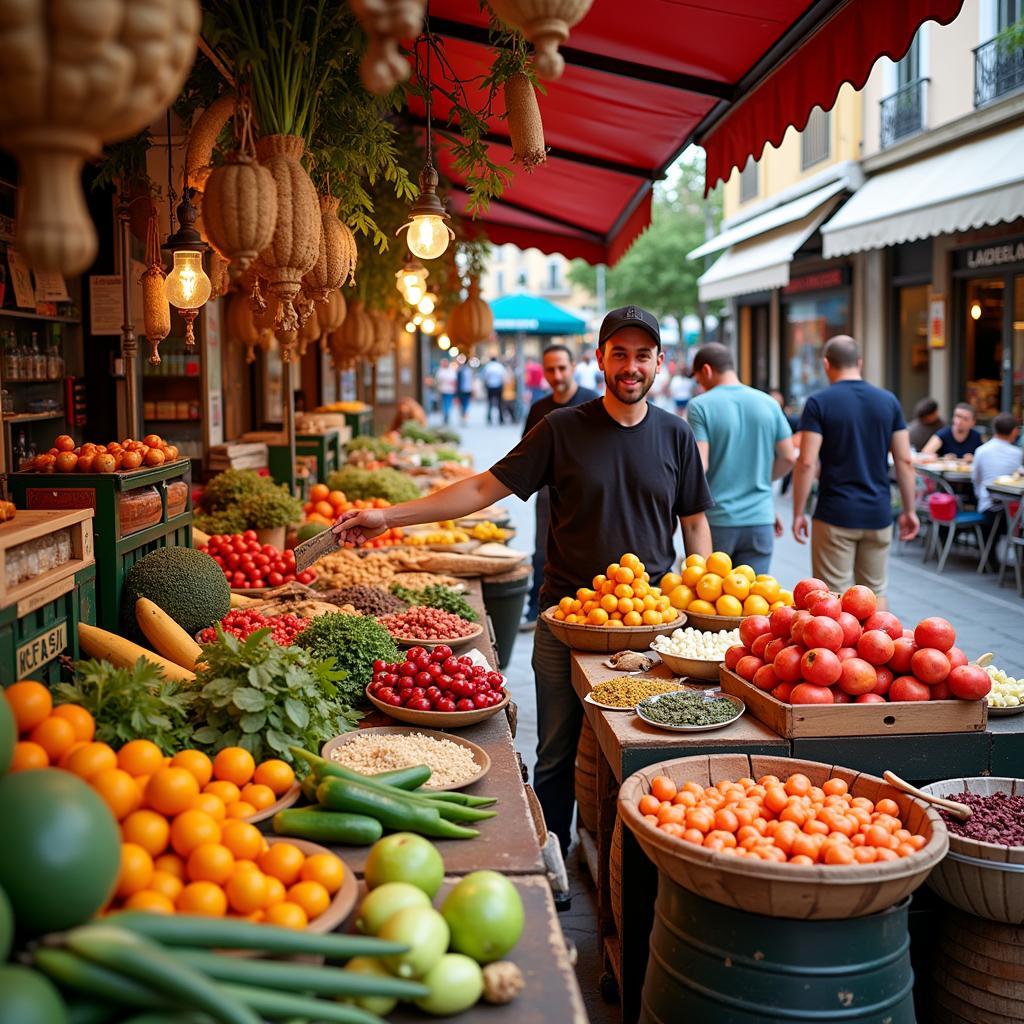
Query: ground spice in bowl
[687, 708]
[628, 691]
[995, 818]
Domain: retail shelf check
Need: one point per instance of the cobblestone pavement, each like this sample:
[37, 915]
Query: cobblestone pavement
[986, 619]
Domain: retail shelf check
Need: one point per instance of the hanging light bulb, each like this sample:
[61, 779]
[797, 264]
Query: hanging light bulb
[429, 325]
[975, 310]
[187, 286]
[427, 304]
[444, 342]
[411, 281]
[417, 320]
[453, 352]
[410, 328]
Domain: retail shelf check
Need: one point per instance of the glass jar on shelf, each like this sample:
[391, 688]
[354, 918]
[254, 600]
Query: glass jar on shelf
[38, 359]
[11, 365]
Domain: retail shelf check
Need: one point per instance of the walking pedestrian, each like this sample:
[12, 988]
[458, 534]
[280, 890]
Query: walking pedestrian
[587, 373]
[510, 394]
[957, 441]
[565, 392]
[745, 443]
[793, 421]
[494, 381]
[852, 427]
[465, 389]
[925, 424]
[447, 382]
[533, 381]
[998, 456]
[680, 390]
[622, 473]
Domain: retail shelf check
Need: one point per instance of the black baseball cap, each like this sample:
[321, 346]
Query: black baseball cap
[629, 316]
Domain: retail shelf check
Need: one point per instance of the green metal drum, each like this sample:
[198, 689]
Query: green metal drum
[710, 964]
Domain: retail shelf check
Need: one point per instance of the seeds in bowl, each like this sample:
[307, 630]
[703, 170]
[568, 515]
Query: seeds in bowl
[996, 818]
[697, 644]
[426, 624]
[450, 764]
[689, 709]
[628, 691]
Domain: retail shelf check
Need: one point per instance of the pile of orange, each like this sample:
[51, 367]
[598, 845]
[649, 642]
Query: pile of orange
[621, 596]
[789, 822]
[714, 586]
[324, 507]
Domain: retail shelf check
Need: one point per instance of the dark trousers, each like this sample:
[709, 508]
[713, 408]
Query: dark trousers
[542, 512]
[994, 517]
[494, 402]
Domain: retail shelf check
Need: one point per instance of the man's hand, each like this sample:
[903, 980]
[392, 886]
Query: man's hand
[779, 528]
[355, 526]
[909, 525]
[800, 529]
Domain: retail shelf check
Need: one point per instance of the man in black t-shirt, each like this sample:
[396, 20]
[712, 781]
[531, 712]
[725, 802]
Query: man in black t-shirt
[565, 392]
[621, 474]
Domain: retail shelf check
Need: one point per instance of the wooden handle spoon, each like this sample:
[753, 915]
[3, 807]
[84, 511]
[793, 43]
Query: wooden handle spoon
[958, 810]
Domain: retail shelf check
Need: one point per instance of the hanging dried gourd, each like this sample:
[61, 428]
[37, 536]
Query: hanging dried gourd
[287, 341]
[336, 260]
[71, 79]
[202, 139]
[524, 124]
[383, 336]
[156, 310]
[471, 321]
[295, 245]
[241, 326]
[331, 311]
[546, 24]
[357, 332]
[240, 199]
[220, 279]
[309, 332]
[386, 23]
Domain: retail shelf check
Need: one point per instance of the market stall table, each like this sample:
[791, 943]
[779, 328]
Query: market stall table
[1013, 509]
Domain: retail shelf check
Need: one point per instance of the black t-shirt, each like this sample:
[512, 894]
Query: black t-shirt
[543, 406]
[951, 446]
[613, 489]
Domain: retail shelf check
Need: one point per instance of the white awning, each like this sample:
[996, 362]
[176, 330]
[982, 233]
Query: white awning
[760, 264]
[966, 187]
[796, 209]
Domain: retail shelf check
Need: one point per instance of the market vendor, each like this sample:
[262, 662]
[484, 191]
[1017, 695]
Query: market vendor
[621, 472]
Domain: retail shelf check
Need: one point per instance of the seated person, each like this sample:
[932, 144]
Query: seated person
[997, 457]
[957, 441]
[408, 409]
[925, 424]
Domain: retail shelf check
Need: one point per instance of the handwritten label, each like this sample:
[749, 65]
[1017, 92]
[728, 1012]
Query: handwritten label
[42, 649]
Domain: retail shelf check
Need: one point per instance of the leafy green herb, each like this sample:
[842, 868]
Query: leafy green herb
[437, 596]
[413, 431]
[265, 698]
[269, 509]
[219, 522]
[131, 703]
[359, 483]
[227, 489]
[355, 642]
[365, 443]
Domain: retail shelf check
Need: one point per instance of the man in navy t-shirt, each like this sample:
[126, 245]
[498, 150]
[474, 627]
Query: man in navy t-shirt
[852, 426]
[957, 441]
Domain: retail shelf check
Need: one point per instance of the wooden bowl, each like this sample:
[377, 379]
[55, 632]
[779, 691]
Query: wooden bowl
[984, 879]
[815, 893]
[454, 643]
[479, 754]
[438, 719]
[603, 640]
[713, 623]
[694, 668]
[284, 801]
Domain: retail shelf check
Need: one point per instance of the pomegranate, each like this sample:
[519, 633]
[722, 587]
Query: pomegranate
[935, 632]
[805, 587]
[851, 629]
[845, 653]
[860, 602]
[822, 631]
[781, 621]
[875, 646]
[908, 688]
[968, 682]
[802, 617]
[903, 651]
[869, 698]
[813, 598]
[758, 646]
[752, 627]
[105, 463]
[747, 667]
[809, 693]
[733, 655]
[64, 443]
[885, 621]
[929, 665]
[821, 666]
[66, 462]
[86, 462]
[828, 604]
[885, 677]
[841, 697]
[782, 692]
[773, 648]
[154, 457]
[941, 691]
[956, 657]
[787, 663]
[765, 678]
[858, 677]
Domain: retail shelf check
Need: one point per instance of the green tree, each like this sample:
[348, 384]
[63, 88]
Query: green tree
[655, 272]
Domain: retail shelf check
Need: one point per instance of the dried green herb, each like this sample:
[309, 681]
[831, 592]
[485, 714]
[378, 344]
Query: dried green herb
[688, 709]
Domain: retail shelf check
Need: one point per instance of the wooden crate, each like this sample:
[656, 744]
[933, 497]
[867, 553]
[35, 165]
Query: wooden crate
[899, 718]
[33, 525]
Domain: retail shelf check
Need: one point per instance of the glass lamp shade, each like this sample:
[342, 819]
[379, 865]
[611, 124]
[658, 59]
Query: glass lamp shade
[428, 236]
[410, 328]
[429, 325]
[187, 286]
[444, 342]
[412, 282]
[427, 304]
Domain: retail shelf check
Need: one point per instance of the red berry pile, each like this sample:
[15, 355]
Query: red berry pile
[249, 565]
[426, 624]
[842, 650]
[436, 681]
[241, 622]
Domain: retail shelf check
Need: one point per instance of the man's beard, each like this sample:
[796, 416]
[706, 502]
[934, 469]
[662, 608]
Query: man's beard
[628, 395]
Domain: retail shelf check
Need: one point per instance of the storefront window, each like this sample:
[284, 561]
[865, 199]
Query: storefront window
[984, 348]
[809, 323]
[913, 345]
[1017, 399]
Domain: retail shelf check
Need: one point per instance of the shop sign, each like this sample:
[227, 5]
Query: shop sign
[986, 256]
[42, 649]
[834, 278]
[937, 321]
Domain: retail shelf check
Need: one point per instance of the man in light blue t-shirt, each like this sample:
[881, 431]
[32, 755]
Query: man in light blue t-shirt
[746, 443]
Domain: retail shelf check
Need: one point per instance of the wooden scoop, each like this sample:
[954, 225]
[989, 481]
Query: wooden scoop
[958, 810]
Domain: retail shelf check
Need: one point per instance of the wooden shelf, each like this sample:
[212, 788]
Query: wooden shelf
[158, 419]
[24, 314]
[32, 417]
[177, 376]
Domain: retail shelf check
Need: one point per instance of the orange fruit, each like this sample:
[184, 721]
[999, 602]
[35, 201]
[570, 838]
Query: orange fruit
[632, 619]
[136, 870]
[210, 862]
[196, 762]
[692, 575]
[192, 828]
[693, 560]
[286, 915]
[118, 791]
[247, 891]
[681, 596]
[240, 810]
[167, 884]
[259, 796]
[30, 703]
[66, 756]
[171, 791]
[651, 617]
[228, 792]
[736, 585]
[311, 896]
[234, 764]
[147, 829]
[54, 735]
[727, 605]
[92, 758]
[275, 773]
[81, 721]
[244, 840]
[203, 898]
[150, 901]
[337, 498]
[701, 607]
[319, 492]
[140, 757]
[597, 617]
[768, 589]
[756, 605]
[324, 868]
[786, 597]
[275, 891]
[610, 603]
[211, 805]
[746, 570]
[719, 563]
[669, 582]
[283, 861]
[709, 587]
[171, 864]
[28, 755]
[630, 561]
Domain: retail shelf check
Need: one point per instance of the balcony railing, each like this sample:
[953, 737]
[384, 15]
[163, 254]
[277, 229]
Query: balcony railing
[903, 112]
[998, 69]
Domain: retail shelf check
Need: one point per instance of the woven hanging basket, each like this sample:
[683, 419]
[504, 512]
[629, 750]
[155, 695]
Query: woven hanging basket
[72, 78]
[156, 310]
[202, 139]
[383, 335]
[336, 259]
[331, 311]
[310, 331]
[471, 321]
[357, 332]
[524, 124]
[386, 23]
[241, 326]
[295, 246]
[546, 24]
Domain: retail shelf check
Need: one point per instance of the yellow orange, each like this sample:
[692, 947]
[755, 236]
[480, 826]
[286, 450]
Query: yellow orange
[681, 597]
[599, 581]
[241, 809]
[720, 563]
[623, 605]
[756, 605]
[171, 791]
[92, 758]
[140, 757]
[247, 891]
[786, 597]
[193, 828]
[736, 585]
[597, 617]
[652, 617]
[709, 587]
[701, 607]
[728, 605]
[196, 762]
[610, 603]
[768, 589]
[640, 588]
[242, 839]
[692, 575]
[234, 764]
[203, 898]
[210, 862]
[30, 703]
[632, 619]
[286, 915]
[54, 735]
[150, 901]
[118, 791]
[227, 792]
[624, 575]
[211, 805]
[136, 870]
[28, 756]
[631, 561]
[81, 721]
[283, 861]
[746, 570]
[694, 559]
[148, 829]
[260, 797]
[166, 883]
[669, 582]
[311, 896]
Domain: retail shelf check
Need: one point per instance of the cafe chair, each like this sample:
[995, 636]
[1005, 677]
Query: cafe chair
[945, 513]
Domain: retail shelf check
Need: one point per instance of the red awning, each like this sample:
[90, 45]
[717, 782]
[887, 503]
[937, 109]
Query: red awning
[645, 79]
